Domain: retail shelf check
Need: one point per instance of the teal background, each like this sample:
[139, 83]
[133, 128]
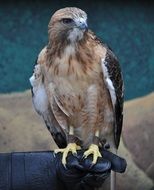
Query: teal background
[127, 27]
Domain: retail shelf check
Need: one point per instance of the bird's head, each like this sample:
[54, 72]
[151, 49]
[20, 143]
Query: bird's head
[68, 24]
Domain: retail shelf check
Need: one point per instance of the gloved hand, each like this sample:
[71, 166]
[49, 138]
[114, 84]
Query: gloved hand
[80, 174]
[43, 170]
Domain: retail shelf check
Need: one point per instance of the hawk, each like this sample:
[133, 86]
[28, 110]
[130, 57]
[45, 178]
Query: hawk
[77, 87]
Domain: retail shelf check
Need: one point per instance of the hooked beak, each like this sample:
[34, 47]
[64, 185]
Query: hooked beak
[83, 26]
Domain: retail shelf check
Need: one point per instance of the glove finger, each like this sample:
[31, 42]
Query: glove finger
[71, 163]
[101, 166]
[118, 164]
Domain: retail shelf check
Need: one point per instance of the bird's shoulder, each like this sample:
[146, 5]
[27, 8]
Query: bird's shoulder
[108, 58]
[96, 44]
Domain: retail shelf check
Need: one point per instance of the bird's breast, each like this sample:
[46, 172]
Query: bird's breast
[72, 76]
[75, 64]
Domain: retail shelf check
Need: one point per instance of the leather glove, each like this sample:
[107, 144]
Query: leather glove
[80, 174]
[43, 170]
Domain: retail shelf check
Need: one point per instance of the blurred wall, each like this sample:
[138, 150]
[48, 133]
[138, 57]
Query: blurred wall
[126, 26]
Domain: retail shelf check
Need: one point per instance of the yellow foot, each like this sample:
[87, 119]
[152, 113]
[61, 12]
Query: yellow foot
[71, 147]
[93, 149]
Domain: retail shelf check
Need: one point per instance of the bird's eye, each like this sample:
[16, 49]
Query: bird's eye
[67, 20]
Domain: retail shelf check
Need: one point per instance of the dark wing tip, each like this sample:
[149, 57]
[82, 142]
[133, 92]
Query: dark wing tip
[60, 140]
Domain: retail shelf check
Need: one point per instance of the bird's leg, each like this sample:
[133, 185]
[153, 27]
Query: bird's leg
[94, 149]
[71, 147]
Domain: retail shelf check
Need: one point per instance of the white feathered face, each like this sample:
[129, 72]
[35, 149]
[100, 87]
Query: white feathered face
[68, 23]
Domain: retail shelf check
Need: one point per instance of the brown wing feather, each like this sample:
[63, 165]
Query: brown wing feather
[55, 129]
[115, 75]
